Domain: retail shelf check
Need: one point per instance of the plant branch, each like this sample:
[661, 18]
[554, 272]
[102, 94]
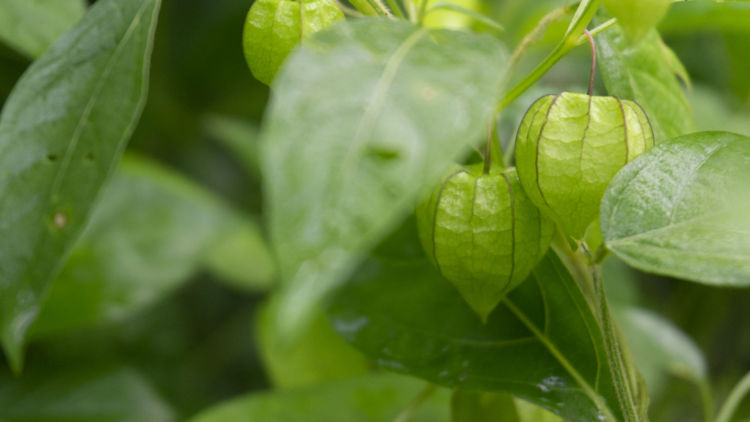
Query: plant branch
[396, 8]
[618, 369]
[424, 395]
[735, 398]
[592, 74]
[364, 7]
[707, 399]
[381, 8]
[583, 15]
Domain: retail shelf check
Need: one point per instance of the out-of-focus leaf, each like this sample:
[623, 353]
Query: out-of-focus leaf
[681, 209]
[239, 136]
[62, 131]
[350, 143]
[82, 395]
[689, 16]
[317, 355]
[642, 73]
[31, 26]
[372, 398]
[240, 257]
[542, 343]
[483, 406]
[713, 112]
[659, 348]
[150, 231]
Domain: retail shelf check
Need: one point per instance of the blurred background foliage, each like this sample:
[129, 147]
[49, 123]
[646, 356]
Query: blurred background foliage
[178, 279]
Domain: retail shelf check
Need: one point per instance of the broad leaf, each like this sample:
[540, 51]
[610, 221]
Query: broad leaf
[660, 348]
[31, 26]
[62, 130]
[543, 342]
[318, 354]
[363, 119]
[82, 395]
[130, 256]
[681, 209]
[644, 74]
[373, 398]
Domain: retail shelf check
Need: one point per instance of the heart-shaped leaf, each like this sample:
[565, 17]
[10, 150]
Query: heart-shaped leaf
[363, 119]
[681, 209]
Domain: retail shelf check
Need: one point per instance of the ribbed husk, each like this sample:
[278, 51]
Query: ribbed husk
[483, 234]
[569, 147]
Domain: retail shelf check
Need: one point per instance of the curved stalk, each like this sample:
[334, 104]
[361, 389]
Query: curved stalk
[735, 398]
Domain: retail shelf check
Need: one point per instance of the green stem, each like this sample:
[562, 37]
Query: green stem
[734, 399]
[424, 395]
[364, 7]
[396, 8]
[572, 39]
[381, 8]
[618, 369]
[707, 399]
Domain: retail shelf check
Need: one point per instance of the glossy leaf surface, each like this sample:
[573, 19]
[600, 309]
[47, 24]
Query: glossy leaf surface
[681, 209]
[31, 26]
[130, 256]
[350, 143]
[542, 343]
[643, 73]
[373, 398]
[62, 131]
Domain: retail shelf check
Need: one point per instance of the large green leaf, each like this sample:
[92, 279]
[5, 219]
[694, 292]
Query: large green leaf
[543, 343]
[318, 354]
[129, 256]
[81, 395]
[62, 130]
[644, 73]
[372, 398]
[363, 119]
[31, 26]
[681, 209]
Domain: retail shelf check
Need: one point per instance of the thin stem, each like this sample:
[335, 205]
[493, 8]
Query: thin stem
[364, 7]
[707, 399]
[734, 399]
[601, 28]
[615, 356]
[422, 10]
[424, 395]
[559, 51]
[537, 33]
[381, 8]
[592, 75]
[396, 8]
[349, 11]
[488, 146]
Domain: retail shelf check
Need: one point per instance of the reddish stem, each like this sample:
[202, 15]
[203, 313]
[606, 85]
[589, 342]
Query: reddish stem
[593, 60]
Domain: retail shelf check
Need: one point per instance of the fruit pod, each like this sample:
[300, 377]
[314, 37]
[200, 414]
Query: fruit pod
[274, 27]
[570, 146]
[483, 234]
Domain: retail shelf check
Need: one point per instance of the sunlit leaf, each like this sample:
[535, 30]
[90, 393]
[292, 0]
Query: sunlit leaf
[681, 209]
